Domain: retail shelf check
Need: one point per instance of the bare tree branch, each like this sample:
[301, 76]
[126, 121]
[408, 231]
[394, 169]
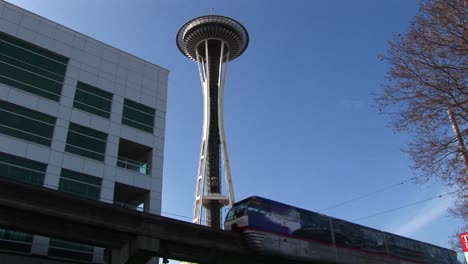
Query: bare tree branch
[427, 93]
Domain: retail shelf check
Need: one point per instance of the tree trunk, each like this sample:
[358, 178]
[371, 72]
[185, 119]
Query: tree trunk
[461, 143]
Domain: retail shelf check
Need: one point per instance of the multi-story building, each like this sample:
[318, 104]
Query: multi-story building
[79, 116]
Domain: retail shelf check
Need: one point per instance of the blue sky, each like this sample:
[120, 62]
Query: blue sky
[299, 119]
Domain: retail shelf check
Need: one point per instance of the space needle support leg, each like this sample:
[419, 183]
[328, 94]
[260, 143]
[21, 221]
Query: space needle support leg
[201, 177]
[221, 79]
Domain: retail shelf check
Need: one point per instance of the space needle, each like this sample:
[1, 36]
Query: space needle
[212, 41]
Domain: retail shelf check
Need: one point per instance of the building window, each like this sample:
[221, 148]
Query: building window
[80, 184]
[70, 250]
[21, 169]
[11, 240]
[86, 186]
[6, 234]
[86, 142]
[26, 124]
[138, 116]
[31, 68]
[93, 100]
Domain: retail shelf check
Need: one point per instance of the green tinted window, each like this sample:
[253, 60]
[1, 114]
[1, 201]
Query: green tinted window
[31, 68]
[15, 241]
[7, 234]
[62, 244]
[138, 116]
[80, 184]
[26, 124]
[20, 169]
[70, 250]
[86, 142]
[93, 100]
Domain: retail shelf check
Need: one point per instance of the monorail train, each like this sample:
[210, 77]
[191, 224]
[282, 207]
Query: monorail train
[275, 228]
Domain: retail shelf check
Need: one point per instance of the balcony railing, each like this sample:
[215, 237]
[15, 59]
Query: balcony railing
[133, 165]
[129, 206]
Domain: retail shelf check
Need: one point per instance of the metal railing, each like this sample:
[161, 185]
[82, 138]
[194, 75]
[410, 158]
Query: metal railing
[133, 165]
[130, 206]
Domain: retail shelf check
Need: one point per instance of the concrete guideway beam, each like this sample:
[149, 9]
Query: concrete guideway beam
[47, 212]
[129, 236]
[140, 249]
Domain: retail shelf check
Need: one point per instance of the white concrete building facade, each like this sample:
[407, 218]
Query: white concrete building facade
[79, 116]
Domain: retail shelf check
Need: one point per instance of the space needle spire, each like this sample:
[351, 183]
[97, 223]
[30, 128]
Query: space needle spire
[212, 41]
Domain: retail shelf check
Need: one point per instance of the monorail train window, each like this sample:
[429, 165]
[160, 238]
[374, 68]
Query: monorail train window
[256, 208]
[285, 212]
[357, 236]
[236, 212]
[313, 226]
[260, 204]
[439, 255]
[405, 247]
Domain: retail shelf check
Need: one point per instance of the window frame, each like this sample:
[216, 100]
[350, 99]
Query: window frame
[80, 150]
[29, 118]
[38, 169]
[30, 68]
[90, 92]
[69, 176]
[130, 107]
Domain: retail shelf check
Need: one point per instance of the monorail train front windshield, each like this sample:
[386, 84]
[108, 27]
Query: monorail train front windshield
[244, 208]
[236, 212]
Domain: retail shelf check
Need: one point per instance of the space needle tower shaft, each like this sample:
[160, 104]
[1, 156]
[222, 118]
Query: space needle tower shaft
[212, 41]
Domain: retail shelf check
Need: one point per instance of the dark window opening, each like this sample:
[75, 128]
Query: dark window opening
[134, 157]
[131, 197]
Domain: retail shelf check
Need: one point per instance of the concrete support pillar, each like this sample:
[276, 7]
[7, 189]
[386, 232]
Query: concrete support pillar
[40, 245]
[98, 255]
[139, 250]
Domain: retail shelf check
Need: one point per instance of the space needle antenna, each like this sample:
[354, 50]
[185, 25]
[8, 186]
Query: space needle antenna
[212, 41]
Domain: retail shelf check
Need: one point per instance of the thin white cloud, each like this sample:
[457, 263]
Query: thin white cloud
[425, 217]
